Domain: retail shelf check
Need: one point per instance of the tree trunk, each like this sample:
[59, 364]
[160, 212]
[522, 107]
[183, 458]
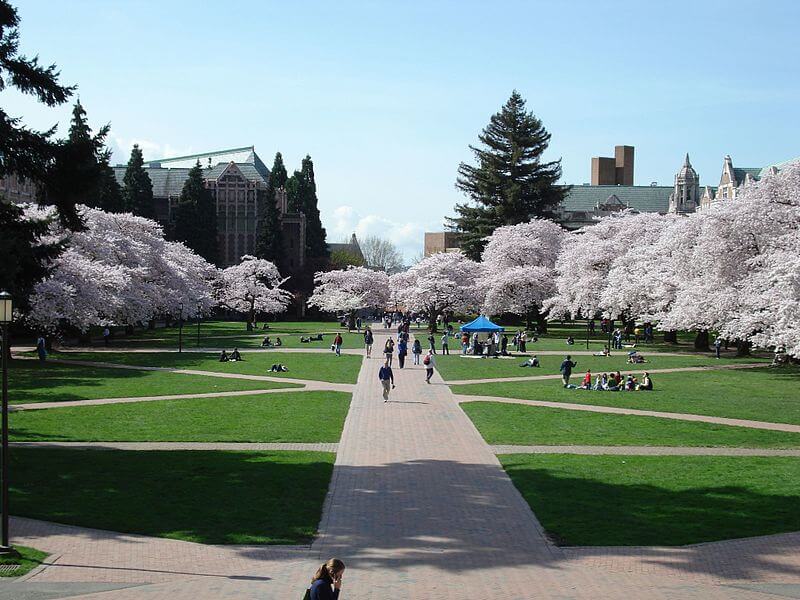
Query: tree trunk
[432, 321]
[84, 337]
[151, 324]
[701, 340]
[351, 320]
[541, 322]
[251, 316]
[671, 337]
[742, 348]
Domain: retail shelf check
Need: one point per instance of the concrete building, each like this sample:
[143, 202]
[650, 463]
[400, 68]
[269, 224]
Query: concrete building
[685, 196]
[236, 179]
[440, 241]
[614, 171]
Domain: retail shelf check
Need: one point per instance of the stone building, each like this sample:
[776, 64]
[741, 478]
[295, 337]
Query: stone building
[685, 196]
[16, 189]
[614, 171]
[235, 178]
[733, 179]
[440, 241]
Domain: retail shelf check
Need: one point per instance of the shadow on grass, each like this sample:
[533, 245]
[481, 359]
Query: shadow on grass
[199, 496]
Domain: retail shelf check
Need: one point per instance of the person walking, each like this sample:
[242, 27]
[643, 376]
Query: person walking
[402, 351]
[358, 324]
[388, 350]
[368, 340]
[387, 379]
[717, 346]
[445, 345]
[430, 362]
[523, 338]
[337, 344]
[41, 348]
[106, 336]
[432, 343]
[566, 369]
[416, 350]
[327, 581]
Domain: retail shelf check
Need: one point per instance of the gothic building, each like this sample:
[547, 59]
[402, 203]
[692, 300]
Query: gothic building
[685, 196]
[235, 178]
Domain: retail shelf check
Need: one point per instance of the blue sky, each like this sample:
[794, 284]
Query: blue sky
[387, 96]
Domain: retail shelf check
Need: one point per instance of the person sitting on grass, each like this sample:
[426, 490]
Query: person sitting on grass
[612, 385]
[533, 361]
[618, 378]
[599, 382]
[630, 383]
[634, 358]
[224, 357]
[266, 342]
[265, 327]
[278, 368]
[570, 341]
[586, 384]
[235, 356]
[304, 339]
[605, 352]
[278, 342]
[647, 383]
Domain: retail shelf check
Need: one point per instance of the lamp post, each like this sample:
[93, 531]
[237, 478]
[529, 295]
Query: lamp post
[180, 328]
[6, 308]
[199, 313]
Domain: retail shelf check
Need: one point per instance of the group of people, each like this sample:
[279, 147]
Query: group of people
[268, 343]
[615, 382]
[234, 356]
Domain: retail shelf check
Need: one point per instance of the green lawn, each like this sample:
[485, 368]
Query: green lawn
[455, 368]
[275, 417]
[207, 497]
[657, 500]
[762, 394]
[32, 381]
[229, 334]
[518, 424]
[29, 558]
[316, 366]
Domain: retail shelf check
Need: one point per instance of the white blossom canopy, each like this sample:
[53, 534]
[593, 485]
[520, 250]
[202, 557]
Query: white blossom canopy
[350, 289]
[252, 286]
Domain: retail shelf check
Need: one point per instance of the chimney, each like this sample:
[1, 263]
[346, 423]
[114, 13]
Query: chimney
[623, 158]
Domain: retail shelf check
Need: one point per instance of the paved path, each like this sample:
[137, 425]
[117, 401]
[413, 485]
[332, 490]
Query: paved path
[640, 369]
[235, 446]
[419, 508]
[633, 411]
[642, 450]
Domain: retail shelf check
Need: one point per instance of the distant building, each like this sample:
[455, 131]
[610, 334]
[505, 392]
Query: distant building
[614, 171]
[350, 247]
[235, 177]
[734, 178]
[440, 241]
[685, 196]
[17, 189]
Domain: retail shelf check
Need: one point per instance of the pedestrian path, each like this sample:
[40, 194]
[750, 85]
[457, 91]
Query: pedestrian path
[418, 507]
[231, 446]
[632, 372]
[616, 410]
[642, 450]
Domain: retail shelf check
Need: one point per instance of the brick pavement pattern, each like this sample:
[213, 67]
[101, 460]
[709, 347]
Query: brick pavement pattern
[418, 507]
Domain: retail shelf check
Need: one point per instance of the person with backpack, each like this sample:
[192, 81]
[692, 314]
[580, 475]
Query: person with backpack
[430, 362]
[368, 339]
[566, 369]
[327, 581]
[402, 351]
[337, 344]
[388, 350]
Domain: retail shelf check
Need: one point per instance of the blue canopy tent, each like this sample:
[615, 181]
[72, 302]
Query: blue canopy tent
[481, 325]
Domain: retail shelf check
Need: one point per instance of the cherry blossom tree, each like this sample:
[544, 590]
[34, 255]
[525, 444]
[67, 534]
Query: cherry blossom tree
[447, 281]
[253, 286]
[118, 270]
[519, 268]
[349, 290]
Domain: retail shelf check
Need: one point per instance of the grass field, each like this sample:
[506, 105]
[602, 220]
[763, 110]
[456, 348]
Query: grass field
[32, 381]
[455, 368]
[29, 558]
[657, 500]
[762, 394]
[207, 497]
[518, 424]
[315, 366]
[276, 417]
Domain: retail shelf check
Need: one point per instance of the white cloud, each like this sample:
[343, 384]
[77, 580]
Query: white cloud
[408, 236]
[121, 148]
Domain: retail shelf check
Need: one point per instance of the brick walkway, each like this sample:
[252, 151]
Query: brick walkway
[419, 508]
[633, 411]
[642, 450]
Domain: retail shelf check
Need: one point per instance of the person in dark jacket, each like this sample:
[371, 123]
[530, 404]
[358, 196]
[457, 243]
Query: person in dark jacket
[387, 379]
[566, 369]
[327, 581]
[402, 351]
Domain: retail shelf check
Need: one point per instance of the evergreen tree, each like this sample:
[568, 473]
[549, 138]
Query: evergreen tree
[269, 242]
[196, 216]
[110, 191]
[29, 154]
[316, 245]
[137, 193]
[509, 184]
[295, 193]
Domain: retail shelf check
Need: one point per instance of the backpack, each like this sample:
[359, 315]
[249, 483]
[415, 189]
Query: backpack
[426, 360]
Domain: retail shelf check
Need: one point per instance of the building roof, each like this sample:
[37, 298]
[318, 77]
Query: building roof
[642, 198]
[741, 173]
[244, 155]
[166, 182]
[352, 247]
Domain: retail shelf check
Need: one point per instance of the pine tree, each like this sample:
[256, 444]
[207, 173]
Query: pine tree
[295, 193]
[196, 216]
[316, 245]
[510, 184]
[29, 154]
[269, 242]
[137, 193]
[110, 191]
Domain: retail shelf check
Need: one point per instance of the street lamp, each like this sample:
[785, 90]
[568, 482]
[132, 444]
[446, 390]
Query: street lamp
[199, 313]
[6, 316]
[180, 328]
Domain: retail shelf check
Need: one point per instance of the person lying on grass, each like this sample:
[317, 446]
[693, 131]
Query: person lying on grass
[533, 361]
[634, 358]
[278, 368]
[605, 352]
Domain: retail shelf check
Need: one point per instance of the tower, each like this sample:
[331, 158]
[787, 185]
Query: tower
[685, 197]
